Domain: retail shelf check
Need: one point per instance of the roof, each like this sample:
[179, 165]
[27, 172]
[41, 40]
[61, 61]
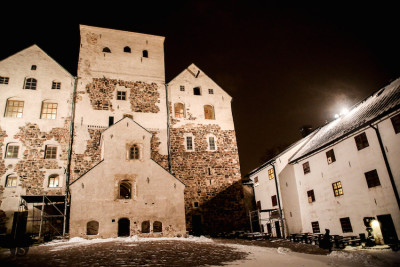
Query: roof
[378, 105]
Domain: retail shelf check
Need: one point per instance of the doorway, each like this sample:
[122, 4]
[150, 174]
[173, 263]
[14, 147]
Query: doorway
[123, 227]
[196, 225]
[278, 229]
[387, 227]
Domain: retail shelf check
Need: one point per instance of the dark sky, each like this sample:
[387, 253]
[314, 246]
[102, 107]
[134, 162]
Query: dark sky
[284, 66]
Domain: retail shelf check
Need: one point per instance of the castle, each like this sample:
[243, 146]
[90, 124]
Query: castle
[116, 151]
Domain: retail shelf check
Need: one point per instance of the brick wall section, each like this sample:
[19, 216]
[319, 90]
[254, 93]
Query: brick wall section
[219, 195]
[31, 169]
[143, 97]
[81, 163]
[162, 160]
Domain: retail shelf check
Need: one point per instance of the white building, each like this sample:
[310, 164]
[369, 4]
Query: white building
[347, 170]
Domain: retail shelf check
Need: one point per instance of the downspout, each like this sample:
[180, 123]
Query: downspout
[68, 170]
[168, 129]
[279, 200]
[396, 193]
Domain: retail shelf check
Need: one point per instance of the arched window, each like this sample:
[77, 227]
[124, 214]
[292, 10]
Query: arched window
[125, 190]
[30, 83]
[179, 110]
[14, 108]
[49, 110]
[209, 112]
[146, 227]
[157, 227]
[12, 151]
[11, 181]
[54, 180]
[92, 228]
[145, 53]
[127, 49]
[106, 50]
[134, 152]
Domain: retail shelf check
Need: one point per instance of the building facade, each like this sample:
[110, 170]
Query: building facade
[348, 170]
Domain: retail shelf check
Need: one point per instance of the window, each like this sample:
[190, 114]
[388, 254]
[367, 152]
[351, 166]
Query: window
[274, 201]
[315, 227]
[179, 110]
[196, 91]
[33, 67]
[54, 180]
[361, 141]
[211, 142]
[92, 228]
[346, 225]
[146, 227]
[125, 189]
[195, 204]
[14, 109]
[127, 49]
[396, 123]
[372, 178]
[337, 189]
[134, 152]
[310, 195]
[256, 180]
[4, 80]
[306, 167]
[106, 50]
[50, 152]
[271, 174]
[121, 95]
[11, 181]
[49, 111]
[211, 91]
[182, 88]
[56, 85]
[157, 227]
[145, 53]
[12, 151]
[258, 204]
[189, 143]
[110, 120]
[330, 156]
[208, 112]
[30, 83]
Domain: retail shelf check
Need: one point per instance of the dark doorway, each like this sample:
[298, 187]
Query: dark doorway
[278, 229]
[387, 228]
[19, 225]
[269, 229]
[124, 227]
[196, 225]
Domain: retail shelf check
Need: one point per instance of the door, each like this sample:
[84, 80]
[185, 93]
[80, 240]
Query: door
[269, 229]
[278, 229]
[196, 225]
[387, 228]
[124, 227]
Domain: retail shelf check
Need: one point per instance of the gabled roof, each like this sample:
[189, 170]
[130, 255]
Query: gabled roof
[381, 103]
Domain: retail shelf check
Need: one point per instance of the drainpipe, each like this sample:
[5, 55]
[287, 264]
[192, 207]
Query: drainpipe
[279, 199]
[396, 193]
[168, 129]
[68, 170]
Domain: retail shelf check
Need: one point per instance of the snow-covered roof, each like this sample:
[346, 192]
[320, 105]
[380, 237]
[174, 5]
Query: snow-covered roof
[366, 112]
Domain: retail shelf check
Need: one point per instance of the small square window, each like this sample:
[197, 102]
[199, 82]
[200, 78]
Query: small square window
[54, 180]
[12, 152]
[372, 178]
[337, 189]
[274, 200]
[196, 91]
[361, 141]
[211, 91]
[330, 156]
[4, 80]
[256, 180]
[315, 227]
[121, 95]
[310, 195]
[56, 85]
[271, 174]
[50, 152]
[346, 225]
[196, 204]
[33, 67]
[189, 143]
[396, 123]
[306, 167]
[11, 181]
[182, 88]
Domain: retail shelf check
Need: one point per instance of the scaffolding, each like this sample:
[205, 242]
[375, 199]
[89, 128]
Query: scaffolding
[46, 215]
[273, 216]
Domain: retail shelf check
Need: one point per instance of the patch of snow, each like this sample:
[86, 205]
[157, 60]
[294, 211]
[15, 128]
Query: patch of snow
[282, 250]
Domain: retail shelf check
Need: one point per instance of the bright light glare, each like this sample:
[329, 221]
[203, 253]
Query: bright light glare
[374, 223]
[344, 111]
[336, 116]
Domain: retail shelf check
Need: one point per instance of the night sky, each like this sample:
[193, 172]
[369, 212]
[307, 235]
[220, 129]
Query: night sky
[284, 66]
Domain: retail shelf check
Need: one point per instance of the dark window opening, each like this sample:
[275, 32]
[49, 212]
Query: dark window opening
[33, 67]
[125, 190]
[106, 50]
[189, 143]
[274, 201]
[124, 227]
[157, 227]
[4, 80]
[346, 225]
[146, 227]
[256, 180]
[92, 228]
[134, 152]
[196, 91]
[315, 227]
[330, 156]
[50, 152]
[56, 85]
[110, 120]
[145, 53]
[306, 167]
[121, 95]
[396, 123]
[196, 204]
[182, 88]
[127, 49]
[30, 83]
[211, 91]
[372, 178]
[310, 195]
[361, 141]
[258, 204]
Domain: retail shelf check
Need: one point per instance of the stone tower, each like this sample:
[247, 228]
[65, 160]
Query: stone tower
[204, 153]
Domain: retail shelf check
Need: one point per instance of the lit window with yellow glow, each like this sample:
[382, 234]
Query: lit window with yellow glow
[49, 111]
[337, 189]
[271, 174]
[14, 109]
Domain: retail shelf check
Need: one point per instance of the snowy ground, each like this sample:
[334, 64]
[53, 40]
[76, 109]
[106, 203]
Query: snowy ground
[191, 251]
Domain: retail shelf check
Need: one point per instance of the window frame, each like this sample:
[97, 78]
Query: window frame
[182, 88]
[209, 112]
[396, 123]
[55, 85]
[14, 111]
[30, 84]
[315, 227]
[330, 154]
[306, 167]
[271, 174]
[130, 189]
[53, 181]
[191, 143]
[274, 201]
[134, 152]
[4, 80]
[345, 223]
[48, 150]
[372, 178]
[14, 182]
[311, 196]
[9, 145]
[361, 141]
[49, 112]
[121, 95]
[212, 146]
[210, 91]
[337, 189]
[178, 106]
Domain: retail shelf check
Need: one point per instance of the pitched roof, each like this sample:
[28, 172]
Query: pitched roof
[366, 112]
